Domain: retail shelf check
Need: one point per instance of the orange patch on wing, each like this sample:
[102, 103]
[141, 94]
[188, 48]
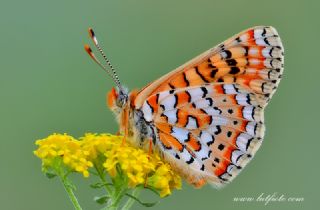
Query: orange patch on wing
[182, 117]
[183, 98]
[179, 81]
[194, 144]
[204, 69]
[165, 127]
[170, 141]
[193, 77]
[251, 40]
[246, 78]
[153, 102]
[233, 99]
[239, 112]
[204, 120]
[222, 167]
[218, 89]
[243, 126]
[228, 151]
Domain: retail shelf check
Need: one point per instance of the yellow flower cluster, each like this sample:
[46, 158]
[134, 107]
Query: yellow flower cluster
[66, 147]
[135, 164]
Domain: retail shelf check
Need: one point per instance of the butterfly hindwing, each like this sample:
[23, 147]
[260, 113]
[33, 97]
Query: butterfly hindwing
[212, 128]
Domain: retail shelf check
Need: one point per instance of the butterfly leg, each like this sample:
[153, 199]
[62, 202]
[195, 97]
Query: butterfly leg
[125, 126]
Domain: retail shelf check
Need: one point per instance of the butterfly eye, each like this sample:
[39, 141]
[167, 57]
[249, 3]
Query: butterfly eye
[122, 98]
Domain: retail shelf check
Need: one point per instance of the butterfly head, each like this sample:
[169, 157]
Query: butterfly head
[118, 98]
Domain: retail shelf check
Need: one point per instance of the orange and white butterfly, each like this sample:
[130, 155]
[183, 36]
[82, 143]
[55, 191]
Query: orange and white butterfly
[206, 116]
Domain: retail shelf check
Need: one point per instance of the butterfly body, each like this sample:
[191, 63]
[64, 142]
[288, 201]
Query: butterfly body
[207, 116]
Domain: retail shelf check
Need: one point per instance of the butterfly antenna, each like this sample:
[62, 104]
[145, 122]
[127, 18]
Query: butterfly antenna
[94, 58]
[95, 41]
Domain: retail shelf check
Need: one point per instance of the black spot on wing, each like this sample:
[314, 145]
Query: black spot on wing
[228, 54]
[175, 100]
[213, 73]
[246, 48]
[218, 131]
[229, 133]
[234, 70]
[239, 156]
[216, 108]
[202, 167]
[190, 161]
[221, 147]
[263, 34]
[189, 96]
[185, 79]
[248, 99]
[204, 92]
[252, 113]
[231, 62]
[200, 75]
[248, 143]
[171, 86]
[210, 101]
[266, 41]
[223, 179]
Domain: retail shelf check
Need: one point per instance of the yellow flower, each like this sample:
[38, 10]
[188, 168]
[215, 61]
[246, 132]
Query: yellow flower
[64, 147]
[133, 162]
[164, 178]
[93, 144]
[111, 153]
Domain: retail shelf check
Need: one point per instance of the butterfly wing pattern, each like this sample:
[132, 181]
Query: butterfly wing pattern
[208, 113]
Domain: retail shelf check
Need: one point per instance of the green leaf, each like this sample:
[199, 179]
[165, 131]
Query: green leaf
[100, 185]
[152, 189]
[101, 199]
[50, 175]
[140, 202]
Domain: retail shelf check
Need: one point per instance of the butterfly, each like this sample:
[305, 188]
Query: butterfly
[206, 117]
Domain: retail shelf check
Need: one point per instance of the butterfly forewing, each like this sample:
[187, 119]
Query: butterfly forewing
[253, 58]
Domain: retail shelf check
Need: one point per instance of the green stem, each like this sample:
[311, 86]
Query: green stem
[69, 190]
[111, 203]
[103, 179]
[136, 191]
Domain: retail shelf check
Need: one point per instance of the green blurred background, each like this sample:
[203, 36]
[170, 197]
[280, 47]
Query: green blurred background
[48, 84]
